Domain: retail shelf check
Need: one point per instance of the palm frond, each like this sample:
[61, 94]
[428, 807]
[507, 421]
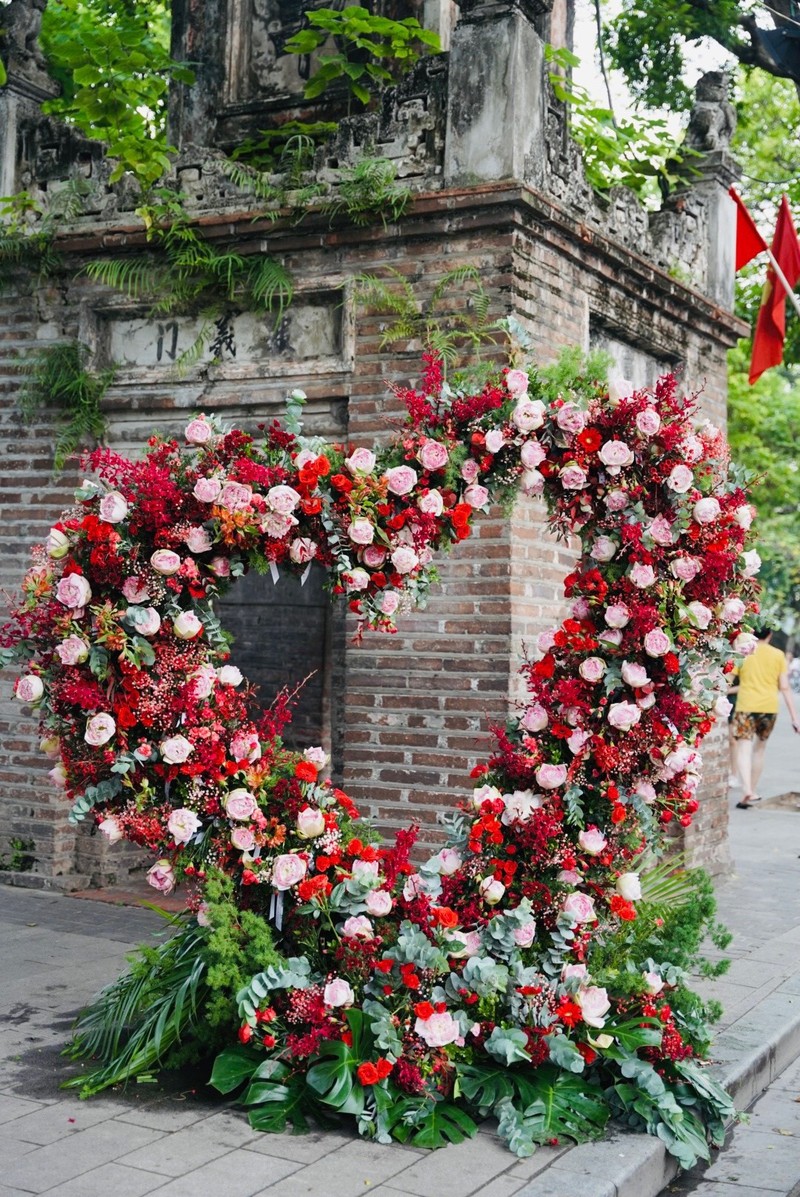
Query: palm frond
[668, 883]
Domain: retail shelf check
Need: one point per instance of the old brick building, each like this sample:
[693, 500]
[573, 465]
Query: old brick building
[497, 183]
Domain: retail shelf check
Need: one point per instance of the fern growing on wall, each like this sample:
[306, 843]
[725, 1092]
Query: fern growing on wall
[58, 377]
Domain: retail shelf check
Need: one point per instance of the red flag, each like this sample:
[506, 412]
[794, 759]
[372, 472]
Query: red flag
[771, 324]
[749, 242]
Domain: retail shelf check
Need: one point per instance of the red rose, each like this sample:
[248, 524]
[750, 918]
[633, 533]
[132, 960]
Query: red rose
[305, 771]
[424, 1010]
[368, 1074]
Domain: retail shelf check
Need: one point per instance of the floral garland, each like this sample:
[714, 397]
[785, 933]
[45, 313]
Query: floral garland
[473, 974]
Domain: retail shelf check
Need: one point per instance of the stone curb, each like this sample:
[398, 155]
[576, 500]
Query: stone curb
[748, 1056]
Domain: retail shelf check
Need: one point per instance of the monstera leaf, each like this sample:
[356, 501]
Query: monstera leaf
[435, 1126]
[560, 1105]
[333, 1075]
[233, 1067]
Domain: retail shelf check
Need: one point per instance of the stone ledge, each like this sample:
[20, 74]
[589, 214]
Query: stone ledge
[63, 884]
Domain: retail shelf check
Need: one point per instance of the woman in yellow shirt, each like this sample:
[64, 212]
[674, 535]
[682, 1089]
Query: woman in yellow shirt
[762, 676]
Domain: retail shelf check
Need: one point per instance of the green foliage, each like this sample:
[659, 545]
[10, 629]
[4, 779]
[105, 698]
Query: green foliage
[369, 190]
[20, 857]
[113, 63]
[449, 328]
[135, 1023]
[371, 50]
[59, 377]
[294, 160]
[638, 153]
[294, 142]
[27, 229]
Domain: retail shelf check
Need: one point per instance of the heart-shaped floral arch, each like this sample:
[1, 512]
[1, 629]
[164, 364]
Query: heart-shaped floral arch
[415, 998]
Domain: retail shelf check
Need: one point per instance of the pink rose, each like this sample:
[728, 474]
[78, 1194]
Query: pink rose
[528, 415]
[624, 715]
[73, 591]
[686, 568]
[603, 549]
[245, 745]
[656, 643]
[475, 495]
[611, 636]
[198, 431]
[72, 651]
[302, 550]
[573, 477]
[182, 824]
[355, 580]
[614, 455]
[203, 681]
[207, 490]
[235, 496]
[594, 1005]
[743, 516]
[378, 902]
[700, 614]
[617, 615]
[404, 559]
[634, 675]
[629, 887]
[288, 870]
[360, 461]
[570, 972]
[99, 729]
[592, 669]
[705, 511]
[648, 421]
[535, 718]
[578, 740]
[592, 841]
[165, 562]
[433, 455]
[653, 983]
[618, 389]
[450, 861]
[310, 823]
[361, 531]
[401, 480]
[642, 575]
[532, 454]
[58, 775]
[229, 675]
[317, 757]
[431, 503]
[220, 566]
[240, 804]
[388, 602]
[282, 499]
[358, 926]
[751, 563]
[495, 439]
[550, 777]
[491, 890]
[525, 935]
[545, 640]
[616, 500]
[484, 793]
[57, 544]
[187, 626]
[338, 993]
[198, 540]
[470, 470]
[373, 556]
[113, 507]
[645, 790]
[438, 1030]
[692, 449]
[161, 877]
[732, 611]
[519, 806]
[660, 531]
[135, 590]
[680, 479]
[146, 620]
[50, 746]
[570, 418]
[243, 838]
[276, 525]
[175, 750]
[580, 907]
[517, 382]
[110, 828]
[30, 688]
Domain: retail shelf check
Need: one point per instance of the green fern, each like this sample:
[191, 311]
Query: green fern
[369, 190]
[58, 376]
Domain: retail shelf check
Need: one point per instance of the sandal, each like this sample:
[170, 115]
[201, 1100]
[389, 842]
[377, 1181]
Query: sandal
[742, 805]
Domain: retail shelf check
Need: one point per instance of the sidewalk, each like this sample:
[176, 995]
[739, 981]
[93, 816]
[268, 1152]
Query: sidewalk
[57, 951]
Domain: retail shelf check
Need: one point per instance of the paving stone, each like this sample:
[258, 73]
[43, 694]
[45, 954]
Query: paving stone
[111, 1180]
[65, 1118]
[760, 1159]
[541, 1159]
[60, 1162]
[164, 1116]
[11, 1148]
[303, 1149]
[457, 1170]
[237, 1174]
[354, 1169]
[15, 1107]
[197, 1145]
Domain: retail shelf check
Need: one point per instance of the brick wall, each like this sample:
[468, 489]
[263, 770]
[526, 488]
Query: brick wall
[407, 716]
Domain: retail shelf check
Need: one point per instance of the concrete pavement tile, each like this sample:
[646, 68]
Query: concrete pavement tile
[164, 1115]
[237, 1174]
[15, 1107]
[349, 1171]
[304, 1149]
[567, 1184]
[12, 1148]
[789, 1078]
[760, 1159]
[113, 1179]
[635, 1164]
[46, 1167]
[711, 1189]
[200, 1143]
[457, 1170]
[64, 1118]
[541, 1159]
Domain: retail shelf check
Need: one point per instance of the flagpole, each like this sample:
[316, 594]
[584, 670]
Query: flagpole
[784, 281]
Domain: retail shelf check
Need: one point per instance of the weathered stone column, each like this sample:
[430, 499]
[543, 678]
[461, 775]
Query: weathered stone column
[496, 106]
[28, 85]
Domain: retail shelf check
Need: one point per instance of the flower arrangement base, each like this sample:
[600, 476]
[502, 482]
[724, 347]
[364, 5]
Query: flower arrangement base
[535, 968]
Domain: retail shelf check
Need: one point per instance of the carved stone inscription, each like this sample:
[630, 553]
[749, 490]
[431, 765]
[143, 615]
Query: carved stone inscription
[309, 331]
